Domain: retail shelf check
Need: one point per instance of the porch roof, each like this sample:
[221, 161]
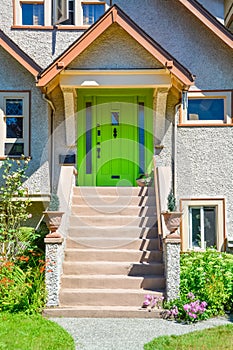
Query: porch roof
[116, 15]
[14, 50]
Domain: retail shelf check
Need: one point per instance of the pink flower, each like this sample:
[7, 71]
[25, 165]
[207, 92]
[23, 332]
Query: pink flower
[186, 307]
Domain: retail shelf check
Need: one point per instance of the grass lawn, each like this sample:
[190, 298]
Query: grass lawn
[22, 332]
[217, 338]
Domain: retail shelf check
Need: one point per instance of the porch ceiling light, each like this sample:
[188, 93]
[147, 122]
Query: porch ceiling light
[90, 83]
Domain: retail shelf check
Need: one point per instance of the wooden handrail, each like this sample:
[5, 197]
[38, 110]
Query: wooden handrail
[158, 208]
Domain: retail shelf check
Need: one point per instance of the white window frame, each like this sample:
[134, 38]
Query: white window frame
[225, 95]
[219, 204]
[47, 11]
[202, 224]
[78, 6]
[26, 137]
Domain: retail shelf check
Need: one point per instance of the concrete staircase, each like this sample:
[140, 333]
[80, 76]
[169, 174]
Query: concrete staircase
[111, 257]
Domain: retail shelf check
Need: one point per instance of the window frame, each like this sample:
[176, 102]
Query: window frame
[23, 3]
[226, 95]
[25, 96]
[83, 3]
[202, 226]
[219, 204]
[49, 16]
[17, 16]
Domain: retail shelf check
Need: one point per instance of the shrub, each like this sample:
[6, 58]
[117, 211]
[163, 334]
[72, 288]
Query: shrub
[14, 203]
[22, 284]
[209, 275]
[206, 286]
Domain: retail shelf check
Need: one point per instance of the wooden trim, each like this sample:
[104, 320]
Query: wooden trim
[36, 27]
[18, 54]
[203, 125]
[14, 12]
[71, 27]
[158, 208]
[220, 90]
[29, 121]
[93, 3]
[209, 21]
[40, 2]
[205, 199]
[115, 15]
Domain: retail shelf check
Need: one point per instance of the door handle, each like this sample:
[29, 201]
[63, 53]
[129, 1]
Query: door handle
[98, 152]
[115, 133]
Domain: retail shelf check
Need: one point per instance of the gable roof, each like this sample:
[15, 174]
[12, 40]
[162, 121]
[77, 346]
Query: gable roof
[209, 20]
[14, 50]
[116, 15]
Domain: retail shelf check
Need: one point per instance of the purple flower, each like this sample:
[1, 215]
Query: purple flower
[186, 307]
[146, 302]
[191, 296]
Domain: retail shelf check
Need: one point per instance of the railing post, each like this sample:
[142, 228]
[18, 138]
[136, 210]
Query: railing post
[53, 260]
[171, 250]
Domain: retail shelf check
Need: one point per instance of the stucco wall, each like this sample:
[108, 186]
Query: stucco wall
[205, 165]
[168, 22]
[15, 77]
[186, 38]
[115, 49]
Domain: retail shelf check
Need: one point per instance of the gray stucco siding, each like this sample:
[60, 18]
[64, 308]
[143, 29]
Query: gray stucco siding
[186, 38]
[14, 77]
[115, 49]
[178, 31]
[205, 165]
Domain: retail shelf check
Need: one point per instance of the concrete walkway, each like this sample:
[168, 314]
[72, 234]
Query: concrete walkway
[125, 334]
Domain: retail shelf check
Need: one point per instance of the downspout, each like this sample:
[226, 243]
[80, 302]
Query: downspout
[177, 107]
[45, 98]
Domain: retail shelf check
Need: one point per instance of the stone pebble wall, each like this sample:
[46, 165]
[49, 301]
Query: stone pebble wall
[205, 165]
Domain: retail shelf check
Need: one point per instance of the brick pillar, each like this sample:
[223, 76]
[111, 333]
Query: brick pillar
[171, 248]
[53, 258]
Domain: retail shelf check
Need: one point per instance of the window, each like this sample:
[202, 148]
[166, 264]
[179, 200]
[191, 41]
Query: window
[84, 12]
[92, 12]
[33, 14]
[203, 224]
[14, 123]
[207, 107]
[202, 227]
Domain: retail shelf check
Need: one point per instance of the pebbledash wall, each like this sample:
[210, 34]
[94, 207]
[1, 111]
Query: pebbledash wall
[204, 156]
[14, 77]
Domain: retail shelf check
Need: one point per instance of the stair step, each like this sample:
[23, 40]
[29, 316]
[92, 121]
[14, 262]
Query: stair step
[103, 297]
[131, 232]
[85, 210]
[112, 268]
[151, 282]
[86, 191]
[113, 200]
[102, 312]
[116, 220]
[111, 242]
[112, 255]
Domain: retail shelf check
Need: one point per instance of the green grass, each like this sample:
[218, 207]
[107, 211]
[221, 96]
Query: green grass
[22, 332]
[216, 338]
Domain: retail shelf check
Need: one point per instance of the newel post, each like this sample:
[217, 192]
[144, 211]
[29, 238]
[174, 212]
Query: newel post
[171, 248]
[53, 258]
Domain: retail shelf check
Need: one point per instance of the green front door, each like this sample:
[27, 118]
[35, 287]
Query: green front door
[114, 137]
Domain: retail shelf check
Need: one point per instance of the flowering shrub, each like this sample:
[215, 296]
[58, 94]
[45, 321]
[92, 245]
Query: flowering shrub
[22, 264]
[152, 301]
[14, 203]
[22, 284]
[188, 309]
[209, 275]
